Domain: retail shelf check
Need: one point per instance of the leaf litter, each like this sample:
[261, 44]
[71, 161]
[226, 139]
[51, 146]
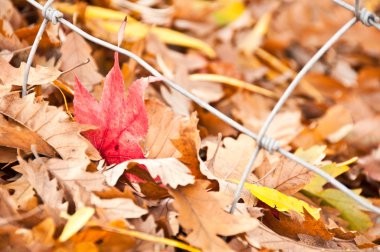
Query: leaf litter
[139, 167]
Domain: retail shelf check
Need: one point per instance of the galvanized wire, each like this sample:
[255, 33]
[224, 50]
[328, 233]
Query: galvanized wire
[264, 141]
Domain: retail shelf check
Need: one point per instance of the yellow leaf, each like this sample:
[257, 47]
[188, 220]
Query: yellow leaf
[152, 238]
[232, 82]
[280, 201]
[316, 184]
[110, 21]
[229, 11]
[312, 155]
[253, 39]
[76, 222]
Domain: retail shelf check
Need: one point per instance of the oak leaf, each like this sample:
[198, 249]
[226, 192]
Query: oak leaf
[118, 208]
[284, 175]
[50, 123]
[202, 213]
[38, 75]
[75, 50]
[38, 176]
[170, 171]
[292, 226]
[15, 135]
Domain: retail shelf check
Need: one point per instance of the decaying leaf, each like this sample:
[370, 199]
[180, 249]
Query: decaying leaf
[37, 175]
[169, 171]
[75, 51]
[38, 76]
[118, 208]
[203, 214]
[283, 175]
[292, 226]
[15, 135]
[50, 123]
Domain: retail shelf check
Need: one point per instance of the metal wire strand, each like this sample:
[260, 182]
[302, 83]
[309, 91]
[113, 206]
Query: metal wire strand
[49, 14]
[282, 101]
[266, 142]
[365, 16]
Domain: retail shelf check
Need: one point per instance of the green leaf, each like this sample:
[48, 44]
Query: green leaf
[348, 207]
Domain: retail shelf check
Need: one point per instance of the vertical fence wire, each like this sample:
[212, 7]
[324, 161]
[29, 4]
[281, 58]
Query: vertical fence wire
[265, 142]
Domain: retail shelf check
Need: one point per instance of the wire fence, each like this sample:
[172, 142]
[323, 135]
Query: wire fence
[264, 142]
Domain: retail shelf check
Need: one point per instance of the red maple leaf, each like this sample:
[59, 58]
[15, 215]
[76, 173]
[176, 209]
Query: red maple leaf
[121, 121]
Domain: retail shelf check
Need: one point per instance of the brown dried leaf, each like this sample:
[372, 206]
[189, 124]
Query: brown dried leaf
[231, 158]
[75, 51]
[22, 193]
[8, 207]
[203, 214]
[37, 175]
[73, 172]
[285, 175]
[51, 124]
[293, 226]
[8, 40]
[170, 171]
[163, 125]
[264, 238]
[118, 208]
[14, 135]
[38, 75]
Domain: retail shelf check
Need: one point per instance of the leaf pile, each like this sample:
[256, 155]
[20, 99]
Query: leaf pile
[124, 163]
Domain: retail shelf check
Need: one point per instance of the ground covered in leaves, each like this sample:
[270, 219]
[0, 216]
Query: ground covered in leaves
[100, 156]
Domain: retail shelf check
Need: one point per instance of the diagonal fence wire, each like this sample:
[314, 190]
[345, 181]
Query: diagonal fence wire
[265, 142]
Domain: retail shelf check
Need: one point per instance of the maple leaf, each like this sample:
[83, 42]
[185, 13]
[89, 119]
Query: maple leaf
[121, 121]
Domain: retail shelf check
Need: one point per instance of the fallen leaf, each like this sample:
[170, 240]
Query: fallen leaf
[15, 135]
[170, 171]
[47, 189]
[163, 125]
[335, 124]
[203, 214]
[254, 38]
[284, 175]
[73, 172]
[231, 158]
[38, 75]
[75, 222]
[315, 186]
[121, 122]
[75, 51]
[44, 232]
[292, 226]
[118, 208]
[371, 164]
[23, 193]
[50, 123]
[348, 207]
[232, 82]
[280, 201]
[365, 134]
[228, 12]
[9, 40]
[134, 29]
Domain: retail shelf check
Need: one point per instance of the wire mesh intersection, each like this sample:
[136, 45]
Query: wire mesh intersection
[264, 141]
